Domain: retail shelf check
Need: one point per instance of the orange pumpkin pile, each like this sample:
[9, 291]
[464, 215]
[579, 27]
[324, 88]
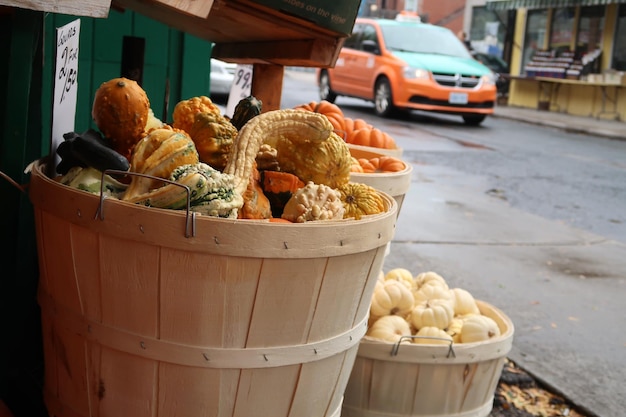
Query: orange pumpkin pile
[353, 131]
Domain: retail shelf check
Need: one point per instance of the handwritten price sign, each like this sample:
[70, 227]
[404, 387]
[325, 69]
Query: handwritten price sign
[65, 82]
[241, 87]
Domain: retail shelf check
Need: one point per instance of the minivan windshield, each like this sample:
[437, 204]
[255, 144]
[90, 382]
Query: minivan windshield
[423, 39]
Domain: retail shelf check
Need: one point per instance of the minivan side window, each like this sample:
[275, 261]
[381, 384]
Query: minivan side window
[353, 41]
[369, 34]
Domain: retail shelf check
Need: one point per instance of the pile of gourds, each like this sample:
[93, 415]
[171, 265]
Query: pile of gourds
[423, 309]
[285, 165]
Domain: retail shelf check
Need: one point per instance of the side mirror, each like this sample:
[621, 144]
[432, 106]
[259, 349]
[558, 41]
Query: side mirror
[370, 46]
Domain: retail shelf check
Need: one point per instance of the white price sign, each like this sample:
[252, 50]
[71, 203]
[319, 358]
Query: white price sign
[65, 83]
[240, 89]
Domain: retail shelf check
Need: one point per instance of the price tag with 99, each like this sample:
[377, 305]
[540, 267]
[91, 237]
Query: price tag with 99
[241, 87]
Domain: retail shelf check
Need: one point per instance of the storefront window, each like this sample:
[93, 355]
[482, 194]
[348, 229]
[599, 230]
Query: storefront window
[488, 31]
[619, 48]
[589, 37]
[562, 29]
[534, 39]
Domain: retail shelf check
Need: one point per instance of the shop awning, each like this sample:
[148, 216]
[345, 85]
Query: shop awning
[544, 4]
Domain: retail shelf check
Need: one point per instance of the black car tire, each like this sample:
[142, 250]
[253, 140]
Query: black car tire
[383, 98]
[474, 119]
[325, 90]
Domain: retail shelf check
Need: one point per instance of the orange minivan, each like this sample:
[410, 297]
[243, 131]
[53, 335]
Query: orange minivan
[409, 65]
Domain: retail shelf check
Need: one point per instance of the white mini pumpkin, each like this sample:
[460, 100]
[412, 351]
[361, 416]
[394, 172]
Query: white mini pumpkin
[432, 313]
[478, 328]
[464, 302]
[429, 278]
[391, 297]
[390, 329]
[403, 275]
[432, 336]
[433, 292]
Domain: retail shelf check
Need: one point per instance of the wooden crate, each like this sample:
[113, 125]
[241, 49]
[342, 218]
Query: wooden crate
[245, 318]
[428, 380]
[396, 184]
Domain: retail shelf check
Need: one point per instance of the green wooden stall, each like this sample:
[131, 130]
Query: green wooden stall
[176, 66]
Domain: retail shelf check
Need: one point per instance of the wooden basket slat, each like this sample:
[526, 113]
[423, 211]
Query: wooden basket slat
[384, 386]
[128, 383]
[345, 275]
[311, 398]
[266, 392]
[176, 396]
[375, 268]
[282, 311]
[359, 383]
[208, 393]
[222, 305]
[87, 273]
[485, 382]
[397, 152]
[346, 368]
[71, 374]
[130, 283]
[58, 251]
[48, 334]
[95, 388]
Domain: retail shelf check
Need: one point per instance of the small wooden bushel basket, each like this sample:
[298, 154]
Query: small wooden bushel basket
[243, 318]
[415, 380]
[396, 184]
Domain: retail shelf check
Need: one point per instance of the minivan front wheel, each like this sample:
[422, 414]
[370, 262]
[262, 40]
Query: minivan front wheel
[383, 98]
[325, 91]
[474, 119]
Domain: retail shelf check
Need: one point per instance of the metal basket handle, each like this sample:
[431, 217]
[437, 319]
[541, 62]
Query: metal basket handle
[396, 346]
[190, 216]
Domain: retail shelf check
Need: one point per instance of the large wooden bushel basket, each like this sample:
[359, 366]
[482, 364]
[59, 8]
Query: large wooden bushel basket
[417, 380]
[150, 312]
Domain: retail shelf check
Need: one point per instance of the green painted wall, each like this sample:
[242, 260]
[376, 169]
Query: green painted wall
[176, 66]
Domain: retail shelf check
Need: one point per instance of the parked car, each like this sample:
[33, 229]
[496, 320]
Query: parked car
[404, 65]
[499, 67]
[222, 76]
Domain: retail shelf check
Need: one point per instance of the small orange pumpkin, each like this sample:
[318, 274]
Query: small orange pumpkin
[387, 164]
[350, 125]
[332, 111]
[367, 165]
[355, 165]
[120, 110]
[372, 137]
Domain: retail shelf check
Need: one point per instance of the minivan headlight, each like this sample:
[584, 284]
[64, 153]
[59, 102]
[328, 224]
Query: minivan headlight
[412, 73]
[489, 79]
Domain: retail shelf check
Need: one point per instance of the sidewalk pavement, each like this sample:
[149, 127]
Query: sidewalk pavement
[563, 288]
[612, 129]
